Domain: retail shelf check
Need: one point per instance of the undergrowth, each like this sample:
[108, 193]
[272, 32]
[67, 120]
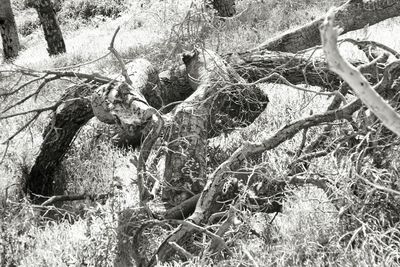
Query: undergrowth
[310, 231]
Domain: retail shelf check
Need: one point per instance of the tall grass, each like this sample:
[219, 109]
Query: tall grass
[307, 233]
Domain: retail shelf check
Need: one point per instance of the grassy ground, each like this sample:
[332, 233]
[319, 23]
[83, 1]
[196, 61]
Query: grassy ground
[307, 233]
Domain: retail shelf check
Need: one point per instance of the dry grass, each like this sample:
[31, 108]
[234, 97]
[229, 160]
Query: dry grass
[307, 233]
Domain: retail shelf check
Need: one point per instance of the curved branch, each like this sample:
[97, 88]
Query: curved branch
[360, 85]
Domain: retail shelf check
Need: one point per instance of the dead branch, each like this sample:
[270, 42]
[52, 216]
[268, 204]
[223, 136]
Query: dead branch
[367, 43]
[207, 198]
[119, 58]
[353, 15]
[40, 110]
[156, 126]
[379, 187]
[181, 250]
[62, 198]
[26, 125]
[183, 210]
[24, 85]
[354, 78]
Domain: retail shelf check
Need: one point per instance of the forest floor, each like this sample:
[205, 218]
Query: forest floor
[306, 233]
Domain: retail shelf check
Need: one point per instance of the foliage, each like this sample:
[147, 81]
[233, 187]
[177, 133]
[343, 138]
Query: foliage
[85, 9]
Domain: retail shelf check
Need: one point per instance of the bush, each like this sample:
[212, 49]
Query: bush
[28, 23]
[86, 9]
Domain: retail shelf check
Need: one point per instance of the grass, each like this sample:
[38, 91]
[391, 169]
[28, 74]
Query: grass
[309, 231]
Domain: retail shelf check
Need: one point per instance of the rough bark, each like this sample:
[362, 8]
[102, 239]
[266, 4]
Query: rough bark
[8, 30]
[174, 86]
[209, 197]
[353, 15]
[57, 137]
[51, 28]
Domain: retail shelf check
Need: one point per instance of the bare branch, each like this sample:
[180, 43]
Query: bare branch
[181, 250]
[379, 187]
[354, 78]
[22, 128]
[24, 85]
[60, 198]
[53, 107]
[372, 43]
[119, 58]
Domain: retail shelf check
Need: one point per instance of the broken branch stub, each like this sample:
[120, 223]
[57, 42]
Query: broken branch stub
[389, 117]
[124, 104]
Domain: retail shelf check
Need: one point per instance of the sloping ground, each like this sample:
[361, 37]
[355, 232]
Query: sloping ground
[304, 234]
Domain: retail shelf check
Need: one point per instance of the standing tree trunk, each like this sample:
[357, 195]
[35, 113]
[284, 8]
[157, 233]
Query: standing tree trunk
[51, 29]
[8, 30]
[224, 8]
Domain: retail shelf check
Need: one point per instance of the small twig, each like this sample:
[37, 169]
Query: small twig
[181, 250]
[119, 58]
[81, 64]
[24, 85]
[201, 229]
[156, 125]
[303, 143]
[377, 44]
[5, 152]
[22, 128]
[379, 187]
[53, 107]
[329, 34]
[320, 183]
[286, 82]
[60, 198]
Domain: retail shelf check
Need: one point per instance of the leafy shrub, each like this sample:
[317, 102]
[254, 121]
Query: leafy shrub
[86, 9]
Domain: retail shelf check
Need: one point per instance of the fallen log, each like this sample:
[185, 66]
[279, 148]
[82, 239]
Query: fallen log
[208, 199]
[351, 16]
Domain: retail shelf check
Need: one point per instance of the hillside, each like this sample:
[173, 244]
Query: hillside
[348, 221]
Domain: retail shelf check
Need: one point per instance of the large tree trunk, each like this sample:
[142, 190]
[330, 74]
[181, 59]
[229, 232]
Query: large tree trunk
[174, 86]
[208, 111]
[57, 137]
[51, 28]
[353, 15]
[8, 31]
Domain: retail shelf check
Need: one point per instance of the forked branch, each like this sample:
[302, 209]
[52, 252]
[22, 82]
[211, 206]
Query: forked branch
[329, 34]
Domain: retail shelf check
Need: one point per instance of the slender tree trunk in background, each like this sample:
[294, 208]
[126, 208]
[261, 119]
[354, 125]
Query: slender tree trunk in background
[51, 29]
[224, 8]
[8, 30]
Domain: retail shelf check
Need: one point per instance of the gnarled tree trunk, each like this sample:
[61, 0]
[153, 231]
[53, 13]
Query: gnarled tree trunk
[51, 28]
[57, 136]
[8, 30]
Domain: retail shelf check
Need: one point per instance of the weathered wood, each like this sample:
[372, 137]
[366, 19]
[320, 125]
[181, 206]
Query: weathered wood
[57, 137]
[329, 34]
[219, 104]
[208, 198]
[125, 104]
[8, 30]
[351, 16]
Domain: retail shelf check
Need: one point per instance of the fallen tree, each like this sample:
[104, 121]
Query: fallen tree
[183, 107]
